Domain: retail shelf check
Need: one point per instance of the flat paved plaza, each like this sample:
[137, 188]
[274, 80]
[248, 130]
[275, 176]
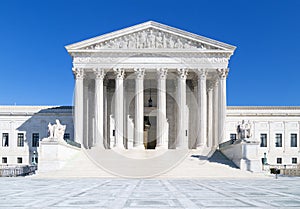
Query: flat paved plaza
[150, 193]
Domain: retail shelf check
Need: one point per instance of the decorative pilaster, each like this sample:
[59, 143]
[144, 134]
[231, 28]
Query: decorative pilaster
[162, 133]
[99, 108]
[78, 105]
[215, 113]
[119, 108]
[222, 73]
[210, 114]
[139, 109]
[202, 109]
[181, 99]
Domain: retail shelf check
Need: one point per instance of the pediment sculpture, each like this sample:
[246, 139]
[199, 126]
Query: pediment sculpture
[150, 39]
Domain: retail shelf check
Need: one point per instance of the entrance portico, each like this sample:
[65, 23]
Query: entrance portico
[185, 72]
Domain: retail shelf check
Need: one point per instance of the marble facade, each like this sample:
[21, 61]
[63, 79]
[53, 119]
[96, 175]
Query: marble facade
[151, 86]
[117, 73]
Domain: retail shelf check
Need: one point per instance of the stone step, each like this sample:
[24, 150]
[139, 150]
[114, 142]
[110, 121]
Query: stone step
[149, 163]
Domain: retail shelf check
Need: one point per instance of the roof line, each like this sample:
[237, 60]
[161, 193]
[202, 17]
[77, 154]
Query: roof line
[157, 25]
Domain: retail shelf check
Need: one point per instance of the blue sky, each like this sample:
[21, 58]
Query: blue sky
[35, 68]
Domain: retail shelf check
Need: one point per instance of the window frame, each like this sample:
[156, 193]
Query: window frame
[295, 144]
[6, 140]
[266, 140]
[279, 159]
[4, 158]
[65, 136]
[35, 141]
[19, 160]
[276, 142]
[22, 140]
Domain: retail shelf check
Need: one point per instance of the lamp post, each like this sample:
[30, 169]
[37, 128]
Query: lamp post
[264, 160]
[34, 156]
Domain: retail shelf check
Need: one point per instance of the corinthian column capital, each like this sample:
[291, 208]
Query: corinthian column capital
[120, 73]
[99, 73]
[162, 73]
[222, 73]
[140, 73]
[202, 73]
[78, 73]
[182, 72]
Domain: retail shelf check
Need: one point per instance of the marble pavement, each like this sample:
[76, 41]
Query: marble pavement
[149, 193]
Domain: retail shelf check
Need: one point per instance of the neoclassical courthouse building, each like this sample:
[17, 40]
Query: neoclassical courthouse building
[151, 86]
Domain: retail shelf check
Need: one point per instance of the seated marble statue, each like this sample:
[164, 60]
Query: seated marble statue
[56, 131]
[244, 130]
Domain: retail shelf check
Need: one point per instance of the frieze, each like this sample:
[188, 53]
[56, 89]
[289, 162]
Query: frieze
[150, 39]
[203, 60]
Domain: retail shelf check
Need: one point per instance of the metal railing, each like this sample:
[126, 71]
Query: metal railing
[17, 170]
[288, 170]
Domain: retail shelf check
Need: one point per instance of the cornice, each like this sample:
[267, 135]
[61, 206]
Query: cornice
[35, 110]
[263, 108]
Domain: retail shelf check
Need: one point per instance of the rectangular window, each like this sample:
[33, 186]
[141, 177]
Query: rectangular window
[278, 142]
[5, 140]
[20, 142]
[233, 137]
[279, 160]
[19, 160]
[35, 139]
[263, 140]
[294, 160]
[293, 140]
[4, 160]
[66, 136]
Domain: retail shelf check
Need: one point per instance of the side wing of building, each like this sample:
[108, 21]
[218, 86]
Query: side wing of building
[276, 128]
[23, 127]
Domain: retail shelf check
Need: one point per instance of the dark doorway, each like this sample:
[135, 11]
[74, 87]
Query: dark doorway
[149, 132]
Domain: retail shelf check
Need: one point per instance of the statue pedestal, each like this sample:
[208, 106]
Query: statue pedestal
[54, 154]
[244, 154]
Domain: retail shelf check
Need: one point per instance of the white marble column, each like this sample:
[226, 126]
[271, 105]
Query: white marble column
[210, 115]
[215, 113]
[222, 103]
[202, 110]
[139, 109]
[181, 111]
[106, 145]
[119, 108]
[99, 109]
[162, 133]
[78, 105]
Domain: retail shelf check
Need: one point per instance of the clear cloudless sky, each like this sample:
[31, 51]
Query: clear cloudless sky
[35, 68]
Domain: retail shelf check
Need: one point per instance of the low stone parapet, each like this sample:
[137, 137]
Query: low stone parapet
[243, 153]
[54, 154]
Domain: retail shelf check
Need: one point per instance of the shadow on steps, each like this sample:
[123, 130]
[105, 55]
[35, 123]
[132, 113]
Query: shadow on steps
[216, 157]
[219, 157]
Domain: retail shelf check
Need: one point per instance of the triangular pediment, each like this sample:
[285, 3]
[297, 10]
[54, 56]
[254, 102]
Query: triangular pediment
[150, 35]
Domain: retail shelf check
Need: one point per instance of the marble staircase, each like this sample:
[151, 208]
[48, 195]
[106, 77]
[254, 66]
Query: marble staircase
[149, 164]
